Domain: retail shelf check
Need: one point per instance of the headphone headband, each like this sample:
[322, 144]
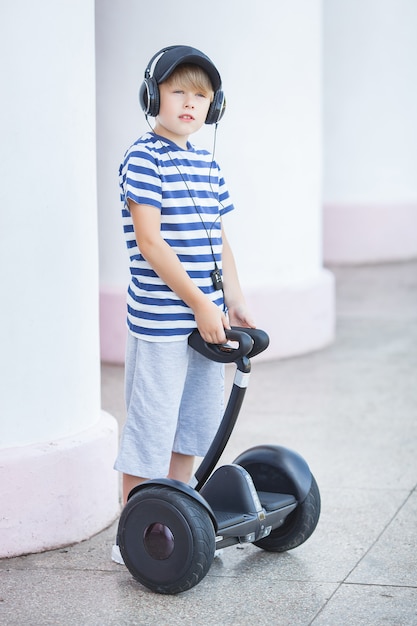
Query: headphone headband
[156, 59]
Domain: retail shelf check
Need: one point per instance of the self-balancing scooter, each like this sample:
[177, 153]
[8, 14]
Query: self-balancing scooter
[168, 531]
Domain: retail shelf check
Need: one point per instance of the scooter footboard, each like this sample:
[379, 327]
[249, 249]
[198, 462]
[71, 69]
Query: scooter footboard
[243, 515]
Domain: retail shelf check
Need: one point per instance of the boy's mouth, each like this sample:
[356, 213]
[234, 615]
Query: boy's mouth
[186, 118]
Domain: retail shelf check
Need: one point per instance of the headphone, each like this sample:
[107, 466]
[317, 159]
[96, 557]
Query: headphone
[161, 66]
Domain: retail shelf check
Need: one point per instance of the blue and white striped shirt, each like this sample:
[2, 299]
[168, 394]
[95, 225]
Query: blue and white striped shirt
[187, 187]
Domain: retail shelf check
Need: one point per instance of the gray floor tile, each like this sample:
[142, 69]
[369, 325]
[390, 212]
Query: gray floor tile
[392, 559]
[359, 605]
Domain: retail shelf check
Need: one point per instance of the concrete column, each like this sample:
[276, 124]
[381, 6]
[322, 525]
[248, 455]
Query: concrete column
[56, 446]
[268, 144]
[370, 124]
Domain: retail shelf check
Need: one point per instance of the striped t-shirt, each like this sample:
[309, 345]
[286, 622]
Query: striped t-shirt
[187, 187]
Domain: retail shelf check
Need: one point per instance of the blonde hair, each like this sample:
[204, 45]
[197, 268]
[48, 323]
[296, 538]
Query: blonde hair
[188, 74]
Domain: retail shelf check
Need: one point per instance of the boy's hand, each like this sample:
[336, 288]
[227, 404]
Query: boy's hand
[211, 322]
[239, 316]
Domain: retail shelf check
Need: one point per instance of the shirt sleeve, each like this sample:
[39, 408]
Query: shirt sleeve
[226, 204]
[140, 179]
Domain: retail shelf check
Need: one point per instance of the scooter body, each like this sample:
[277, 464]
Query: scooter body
[168, 531]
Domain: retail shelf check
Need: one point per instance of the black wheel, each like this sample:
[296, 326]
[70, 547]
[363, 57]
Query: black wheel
[297, 527]
[166, 539]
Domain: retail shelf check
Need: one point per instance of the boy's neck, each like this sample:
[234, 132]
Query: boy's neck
[179, 140]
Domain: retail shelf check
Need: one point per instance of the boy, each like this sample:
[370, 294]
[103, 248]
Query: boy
[183, 273]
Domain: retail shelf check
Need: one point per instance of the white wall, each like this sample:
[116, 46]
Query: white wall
[269, 144]
[370, 124]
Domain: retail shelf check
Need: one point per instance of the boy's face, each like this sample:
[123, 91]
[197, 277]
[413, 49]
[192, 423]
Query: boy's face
[183, 110]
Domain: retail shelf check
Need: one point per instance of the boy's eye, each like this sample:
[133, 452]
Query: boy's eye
[182, 92]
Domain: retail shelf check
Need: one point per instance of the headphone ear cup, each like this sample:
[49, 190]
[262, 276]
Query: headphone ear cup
[149, 97]
[217, 108]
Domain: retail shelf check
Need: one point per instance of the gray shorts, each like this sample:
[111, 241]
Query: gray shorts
[174, 401]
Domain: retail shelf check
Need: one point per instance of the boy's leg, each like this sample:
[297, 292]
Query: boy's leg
[202, 405]
[181, 467]
[128, 482]
[155, 375]
[154, 378]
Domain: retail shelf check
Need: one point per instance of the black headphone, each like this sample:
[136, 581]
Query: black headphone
[167, 60]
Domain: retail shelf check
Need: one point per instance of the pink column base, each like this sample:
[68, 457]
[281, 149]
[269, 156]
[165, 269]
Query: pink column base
[298, 317]
[113, 329]
[358, 233]
[58, 492]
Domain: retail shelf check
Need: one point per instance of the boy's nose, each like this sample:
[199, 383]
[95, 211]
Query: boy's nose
[189, 102]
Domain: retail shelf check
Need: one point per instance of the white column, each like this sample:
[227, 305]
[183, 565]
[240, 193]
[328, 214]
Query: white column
[56, 446]
[370, 123]
[269, 146]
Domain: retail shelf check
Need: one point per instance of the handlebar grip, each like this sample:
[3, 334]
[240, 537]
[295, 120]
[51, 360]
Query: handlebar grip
[223, 353]
[259, 337]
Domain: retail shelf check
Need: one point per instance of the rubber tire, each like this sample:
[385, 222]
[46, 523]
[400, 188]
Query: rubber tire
[298, 526]
[193, 532]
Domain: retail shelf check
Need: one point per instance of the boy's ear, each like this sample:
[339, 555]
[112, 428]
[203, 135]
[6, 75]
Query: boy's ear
[149, 96]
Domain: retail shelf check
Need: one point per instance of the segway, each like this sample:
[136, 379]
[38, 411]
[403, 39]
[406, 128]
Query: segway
[168, 531]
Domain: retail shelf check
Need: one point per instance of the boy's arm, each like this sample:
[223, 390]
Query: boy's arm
[233, 295]
[210, 320]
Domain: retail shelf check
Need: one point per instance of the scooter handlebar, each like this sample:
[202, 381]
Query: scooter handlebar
[259, 338]
[250, 342]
